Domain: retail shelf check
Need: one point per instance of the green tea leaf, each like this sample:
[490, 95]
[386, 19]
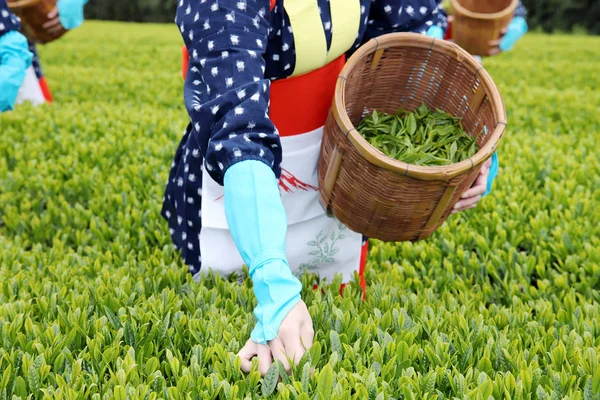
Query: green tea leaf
[325, 382]
[34, 379]
[129, 334]
[270, 380]
[336, 345]
[305, 380]
[411, 124]
[423, 137]
[114, 320]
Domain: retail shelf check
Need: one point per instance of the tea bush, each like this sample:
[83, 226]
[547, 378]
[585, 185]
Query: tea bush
[502, 302]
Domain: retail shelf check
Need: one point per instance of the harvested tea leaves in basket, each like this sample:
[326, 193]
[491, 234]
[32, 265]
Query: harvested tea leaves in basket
[423, 137]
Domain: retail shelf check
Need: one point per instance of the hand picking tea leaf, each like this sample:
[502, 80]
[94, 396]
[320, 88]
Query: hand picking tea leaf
[423, 137]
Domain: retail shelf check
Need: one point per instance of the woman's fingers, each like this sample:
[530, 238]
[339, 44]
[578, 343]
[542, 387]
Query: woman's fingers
[265, 359]
[307, 336]
[495, 51]
[466, 204]
[278, 351]
[54, 13]
[51, 24]
[295, 351]
[252, 349]
[478, 188]
[473, 192]
[246, 354]
[55, 29]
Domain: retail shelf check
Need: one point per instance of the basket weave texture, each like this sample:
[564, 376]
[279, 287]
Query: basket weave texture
[34, 14]
[477, 22]
[384, 198]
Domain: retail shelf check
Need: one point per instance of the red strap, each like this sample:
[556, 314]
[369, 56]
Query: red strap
[361, 270]
[448, 35]
[273, 4]
[45, 90]
[361, 273]
[185, 61]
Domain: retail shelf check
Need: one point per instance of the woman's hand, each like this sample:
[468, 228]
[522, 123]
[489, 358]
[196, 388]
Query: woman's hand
[471, 197]
[294, 338]
[495, 44]
[252, 349]
[509, 36]
[53, 24]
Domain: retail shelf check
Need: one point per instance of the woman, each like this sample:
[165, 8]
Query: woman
[67, 14]
[508, 38]
[245, 173]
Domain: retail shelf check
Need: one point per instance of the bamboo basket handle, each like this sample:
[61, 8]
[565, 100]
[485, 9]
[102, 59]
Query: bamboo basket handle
[330, 178]
[22, 3]
[439, 210]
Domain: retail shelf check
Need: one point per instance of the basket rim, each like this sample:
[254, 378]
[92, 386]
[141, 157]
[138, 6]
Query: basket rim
[19, 4]
[376, 157]
[491, 16]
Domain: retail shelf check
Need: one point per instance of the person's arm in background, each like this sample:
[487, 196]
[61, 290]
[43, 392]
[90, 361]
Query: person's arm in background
[419, 16]
[67, 14]
[227, 99]
[514, 31]
[15, 57]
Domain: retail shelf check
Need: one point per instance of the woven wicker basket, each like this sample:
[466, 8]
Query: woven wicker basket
[34, 14]
[477, 22]
[384, 198]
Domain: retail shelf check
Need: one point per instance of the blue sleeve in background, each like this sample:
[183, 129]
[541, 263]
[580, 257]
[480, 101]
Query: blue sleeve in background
[515, 31]
[70, 13]
[493, 173]
[435, 32]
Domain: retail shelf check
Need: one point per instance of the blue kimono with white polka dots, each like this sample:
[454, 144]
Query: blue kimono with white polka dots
[8, 20]
[236, 48]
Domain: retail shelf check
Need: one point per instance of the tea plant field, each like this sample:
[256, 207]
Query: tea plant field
[502, 302]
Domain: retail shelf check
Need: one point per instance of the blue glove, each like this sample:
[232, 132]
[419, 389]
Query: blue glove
[258, 224]
[70, 13]
[515, 31]
[15, 58]
[436, 32]
[493, 173]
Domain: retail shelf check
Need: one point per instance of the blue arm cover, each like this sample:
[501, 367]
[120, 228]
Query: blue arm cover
[516, 29]
[15, 58]
[258, 224]
[493, 173]
[70, 13]
[435, 32]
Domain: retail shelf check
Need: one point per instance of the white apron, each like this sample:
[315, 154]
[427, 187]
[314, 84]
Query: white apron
[30, 89]
[314, 242]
